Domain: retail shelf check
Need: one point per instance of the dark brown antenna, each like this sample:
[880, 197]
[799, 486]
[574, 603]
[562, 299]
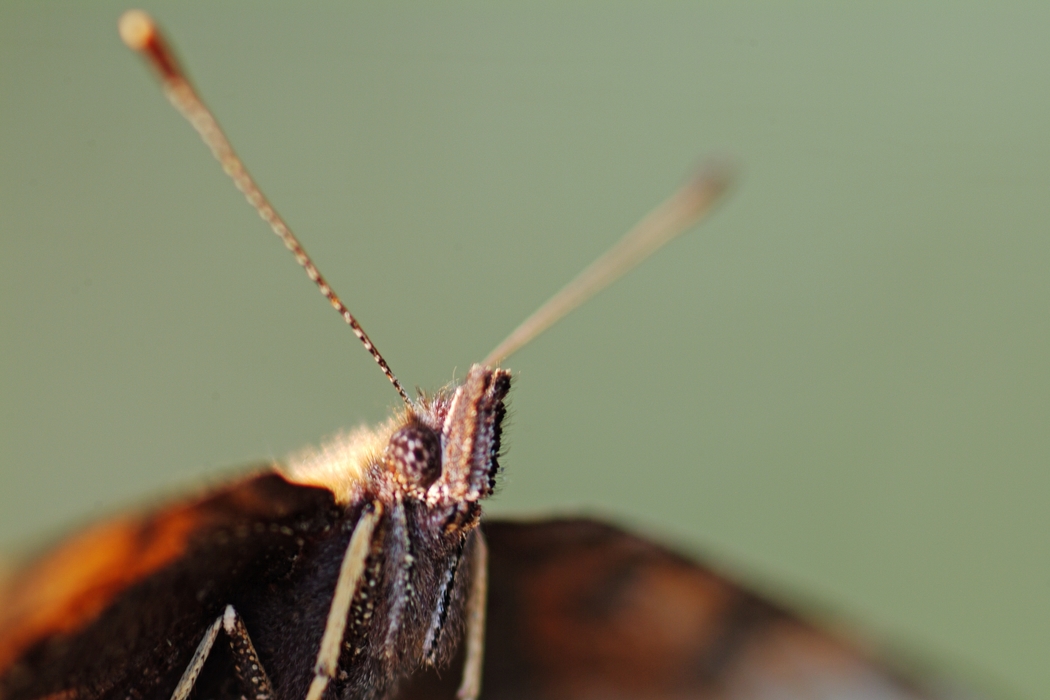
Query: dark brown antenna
[140, 33]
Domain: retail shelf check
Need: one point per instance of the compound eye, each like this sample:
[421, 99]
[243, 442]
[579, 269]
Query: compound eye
[414, 452]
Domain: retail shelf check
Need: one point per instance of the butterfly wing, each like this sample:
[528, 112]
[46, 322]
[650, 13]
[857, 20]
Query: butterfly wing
[123, 604]
[577, 609]
[580, 609]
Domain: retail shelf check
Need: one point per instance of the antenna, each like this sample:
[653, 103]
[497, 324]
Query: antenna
[677, 213]
[140, 33]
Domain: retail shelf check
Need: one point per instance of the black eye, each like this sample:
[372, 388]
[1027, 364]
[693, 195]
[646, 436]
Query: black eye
[414, 452]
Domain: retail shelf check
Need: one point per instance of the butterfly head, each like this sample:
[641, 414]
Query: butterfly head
[442, 451]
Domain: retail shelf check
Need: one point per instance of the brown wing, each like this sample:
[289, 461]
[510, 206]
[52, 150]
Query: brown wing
[578, 609]
[124, 603]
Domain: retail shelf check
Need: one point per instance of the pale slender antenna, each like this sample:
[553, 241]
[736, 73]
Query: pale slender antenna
[676, 214]
[140, 33]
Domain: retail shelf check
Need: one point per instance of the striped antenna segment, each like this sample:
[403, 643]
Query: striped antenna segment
[140, 33]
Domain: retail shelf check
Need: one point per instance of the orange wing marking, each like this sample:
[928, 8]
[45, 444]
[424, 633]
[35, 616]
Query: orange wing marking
[69, 587]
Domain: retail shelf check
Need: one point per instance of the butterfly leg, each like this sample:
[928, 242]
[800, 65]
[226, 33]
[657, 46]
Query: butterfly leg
[470, 685]
[350, 573]
[200, 655]
[249, 669]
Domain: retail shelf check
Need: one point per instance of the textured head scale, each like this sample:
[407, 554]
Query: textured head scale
[442, 451]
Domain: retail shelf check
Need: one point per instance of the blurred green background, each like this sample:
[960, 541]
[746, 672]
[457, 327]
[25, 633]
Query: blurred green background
[838, 388]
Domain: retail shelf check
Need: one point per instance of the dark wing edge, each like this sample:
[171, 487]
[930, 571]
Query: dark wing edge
[582, 609]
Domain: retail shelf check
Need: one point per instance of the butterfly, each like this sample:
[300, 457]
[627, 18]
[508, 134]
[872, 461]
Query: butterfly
[362, 568]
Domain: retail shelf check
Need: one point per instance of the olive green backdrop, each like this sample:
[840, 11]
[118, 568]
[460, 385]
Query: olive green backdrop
[838, 388]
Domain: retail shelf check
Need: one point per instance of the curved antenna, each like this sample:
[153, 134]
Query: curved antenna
[676, 214]
[140, 33]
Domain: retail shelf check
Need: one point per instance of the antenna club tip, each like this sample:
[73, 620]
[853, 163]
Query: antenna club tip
[707, 184]
[137, 29]
[716, 173]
